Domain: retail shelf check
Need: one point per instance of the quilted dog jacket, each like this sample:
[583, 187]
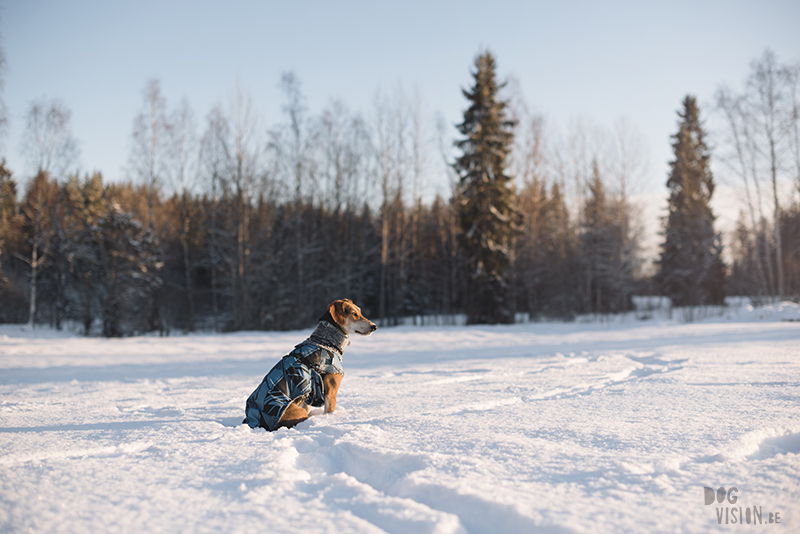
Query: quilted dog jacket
[297, 375]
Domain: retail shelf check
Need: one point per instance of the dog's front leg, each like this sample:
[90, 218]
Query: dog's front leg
[331, 382]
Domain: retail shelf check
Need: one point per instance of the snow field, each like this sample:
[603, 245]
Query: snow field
[560, 428]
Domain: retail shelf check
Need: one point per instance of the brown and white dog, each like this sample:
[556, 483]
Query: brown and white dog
[311, 374]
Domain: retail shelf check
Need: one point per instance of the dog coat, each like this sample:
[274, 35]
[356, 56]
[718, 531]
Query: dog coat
[297, 375]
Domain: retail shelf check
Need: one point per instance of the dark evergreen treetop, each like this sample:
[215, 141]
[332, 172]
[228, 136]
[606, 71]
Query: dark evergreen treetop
[690, 181]
[488, 133]
[9, 216]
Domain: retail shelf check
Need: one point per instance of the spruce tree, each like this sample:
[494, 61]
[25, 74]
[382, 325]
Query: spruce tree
[691, 271]
[486, 208]
[608, 259]
[129, 264]
[9, 216]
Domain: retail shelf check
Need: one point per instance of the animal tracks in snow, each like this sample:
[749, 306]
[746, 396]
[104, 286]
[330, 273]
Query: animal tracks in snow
[604, 371]
[390, 490]
[534, 379]
[346, 459]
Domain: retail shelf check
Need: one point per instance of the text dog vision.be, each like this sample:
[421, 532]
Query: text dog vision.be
[737, 514]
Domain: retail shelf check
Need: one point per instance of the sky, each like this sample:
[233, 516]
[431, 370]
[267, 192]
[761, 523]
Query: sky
[573, 60]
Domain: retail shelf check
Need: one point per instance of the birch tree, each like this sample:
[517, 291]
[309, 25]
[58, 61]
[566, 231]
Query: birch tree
[38, 226]
[290, 146]
[47, 141]
[762, 140]
[149, 156]
[184, 168]
[244, 171]
[770, 84]
[214, 162]
[52, 152]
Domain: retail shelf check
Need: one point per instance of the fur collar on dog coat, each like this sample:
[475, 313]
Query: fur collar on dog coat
[297, 375]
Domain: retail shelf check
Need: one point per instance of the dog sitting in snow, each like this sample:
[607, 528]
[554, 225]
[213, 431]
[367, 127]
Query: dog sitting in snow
[310, 375]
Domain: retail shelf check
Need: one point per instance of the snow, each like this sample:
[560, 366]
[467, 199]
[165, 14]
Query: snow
[544, 427]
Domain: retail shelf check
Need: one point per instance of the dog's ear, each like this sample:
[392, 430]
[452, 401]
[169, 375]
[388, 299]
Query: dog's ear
[336, 312]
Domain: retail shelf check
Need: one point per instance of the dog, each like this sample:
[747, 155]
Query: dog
[310, 375]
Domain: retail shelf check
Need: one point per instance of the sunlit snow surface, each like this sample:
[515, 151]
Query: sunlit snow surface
[543, 427]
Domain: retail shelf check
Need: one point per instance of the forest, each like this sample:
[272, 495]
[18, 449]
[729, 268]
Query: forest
[225, 224]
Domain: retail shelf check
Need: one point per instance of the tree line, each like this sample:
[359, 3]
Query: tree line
[231, 225]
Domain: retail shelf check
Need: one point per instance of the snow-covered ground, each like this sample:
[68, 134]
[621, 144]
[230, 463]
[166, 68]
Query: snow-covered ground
[546, 427]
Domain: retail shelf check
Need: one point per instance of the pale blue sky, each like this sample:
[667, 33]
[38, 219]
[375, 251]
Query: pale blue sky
[601, 60]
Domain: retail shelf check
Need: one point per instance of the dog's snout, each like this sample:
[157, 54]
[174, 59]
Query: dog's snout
[373, 327]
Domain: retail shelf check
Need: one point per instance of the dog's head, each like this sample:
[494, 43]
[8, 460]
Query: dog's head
[349, 318]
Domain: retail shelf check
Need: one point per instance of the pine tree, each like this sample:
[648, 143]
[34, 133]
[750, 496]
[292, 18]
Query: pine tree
[86, 207]
[129, 272]
[9, 216]
[597, 244]
[691, 268]
[558, 258]
[486, 207]
[608, 261]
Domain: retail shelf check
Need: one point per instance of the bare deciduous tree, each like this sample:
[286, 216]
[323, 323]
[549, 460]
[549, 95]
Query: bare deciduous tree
[243, 168]
[290, 148]
[47, 141]
[149, 157]
[184, 162]
[3, 108]
[742, 159]
[769, 84]
[215, 155]
[761, 135]
[389, 144]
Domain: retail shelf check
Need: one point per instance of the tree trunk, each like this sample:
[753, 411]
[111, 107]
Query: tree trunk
[777, 225]
[213, 253]
[187, 269]
[34, 269]
[384, 260]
